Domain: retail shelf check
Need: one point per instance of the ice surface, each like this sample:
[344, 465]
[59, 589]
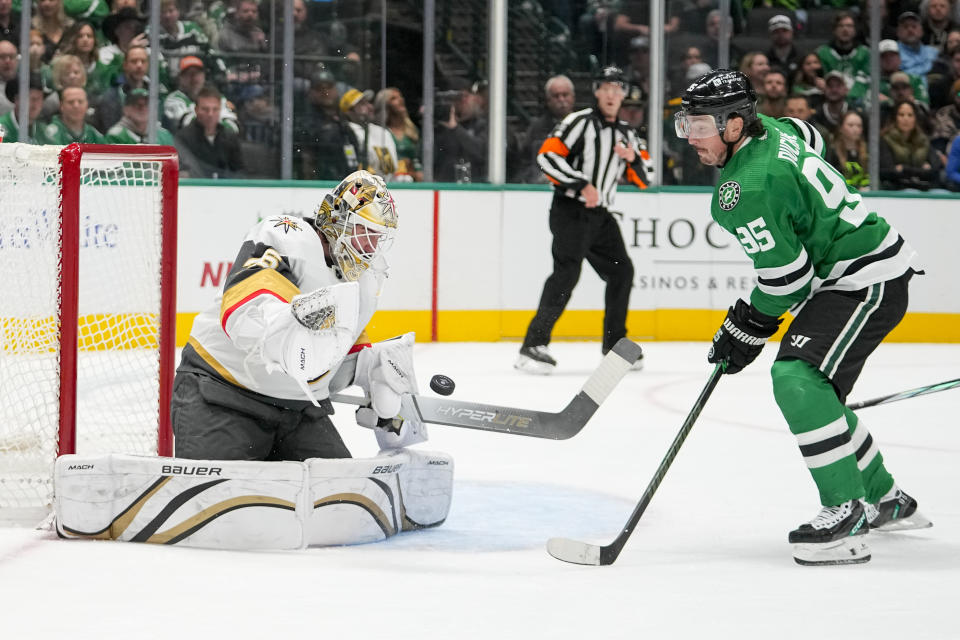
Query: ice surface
[709, 559]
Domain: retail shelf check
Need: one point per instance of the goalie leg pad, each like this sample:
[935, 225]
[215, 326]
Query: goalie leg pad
[426, 484]
[196, 503]
[246, 504]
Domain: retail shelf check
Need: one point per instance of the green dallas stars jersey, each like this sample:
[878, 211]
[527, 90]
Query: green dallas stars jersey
[58, 133]
[800, 223]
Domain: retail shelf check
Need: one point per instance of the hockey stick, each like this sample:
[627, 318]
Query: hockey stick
[585, 553]
[904, 395]
[561, 425]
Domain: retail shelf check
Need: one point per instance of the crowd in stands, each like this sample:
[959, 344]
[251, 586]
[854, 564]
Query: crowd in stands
[219, 85]
[806, 59]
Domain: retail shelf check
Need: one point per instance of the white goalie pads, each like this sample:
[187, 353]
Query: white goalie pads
[251, 505]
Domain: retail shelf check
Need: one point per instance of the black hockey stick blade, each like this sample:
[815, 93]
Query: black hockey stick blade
[561, 425]
[904, 395]
[577, 552]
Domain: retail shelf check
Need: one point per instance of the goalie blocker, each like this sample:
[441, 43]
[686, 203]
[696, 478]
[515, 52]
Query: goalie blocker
[250, 504]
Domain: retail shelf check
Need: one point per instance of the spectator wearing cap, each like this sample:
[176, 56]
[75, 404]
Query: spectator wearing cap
[123, 29]
[915, 57]
[937, 23]
[8, 70]
[902, 90]
[774, 100]
[132, 127]
[376, 150]
[946, 121]
[834, 101]
[8, 120]
[207, 148]
[324, 145]
[782, 52]
[559, 95]
[181, 38]
[890, 66]
[461, 139]
[69, 125]
[845, 55]
[9, 22]
[178, 108]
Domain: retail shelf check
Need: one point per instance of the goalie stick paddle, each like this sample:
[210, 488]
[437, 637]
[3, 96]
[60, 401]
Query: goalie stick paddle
[904, 395]
[591, 554]
[561, 425]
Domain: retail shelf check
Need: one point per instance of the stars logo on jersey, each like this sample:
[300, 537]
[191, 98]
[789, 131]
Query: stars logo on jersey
[729, 195]
[287, 223]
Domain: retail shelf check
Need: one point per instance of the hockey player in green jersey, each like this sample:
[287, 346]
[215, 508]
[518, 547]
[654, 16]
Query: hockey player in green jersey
[839, 268]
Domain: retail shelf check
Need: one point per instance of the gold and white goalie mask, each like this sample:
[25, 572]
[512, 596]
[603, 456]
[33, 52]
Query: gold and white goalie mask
[359, 221]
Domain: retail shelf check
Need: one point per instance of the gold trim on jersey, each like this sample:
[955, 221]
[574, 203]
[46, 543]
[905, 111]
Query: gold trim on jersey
[263, 281]
[212, 362]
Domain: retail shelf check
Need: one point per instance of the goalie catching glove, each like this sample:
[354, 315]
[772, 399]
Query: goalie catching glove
[312, 334]
[385, 373]
[741, 337]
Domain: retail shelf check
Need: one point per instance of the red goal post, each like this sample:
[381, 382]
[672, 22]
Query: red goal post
[88, 311]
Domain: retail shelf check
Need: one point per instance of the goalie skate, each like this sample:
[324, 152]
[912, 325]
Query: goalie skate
[835, 536]
[896, 511]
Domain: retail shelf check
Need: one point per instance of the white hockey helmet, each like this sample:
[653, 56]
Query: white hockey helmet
[359, 220]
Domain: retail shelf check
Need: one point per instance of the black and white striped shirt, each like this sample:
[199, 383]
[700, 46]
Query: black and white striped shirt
[580, 152]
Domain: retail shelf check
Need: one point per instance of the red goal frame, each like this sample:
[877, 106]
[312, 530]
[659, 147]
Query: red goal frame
[70, 159]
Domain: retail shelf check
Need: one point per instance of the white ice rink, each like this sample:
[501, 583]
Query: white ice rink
[709, 559]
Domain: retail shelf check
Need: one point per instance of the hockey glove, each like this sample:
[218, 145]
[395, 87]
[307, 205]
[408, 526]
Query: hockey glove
[741, 337]
[312, 334]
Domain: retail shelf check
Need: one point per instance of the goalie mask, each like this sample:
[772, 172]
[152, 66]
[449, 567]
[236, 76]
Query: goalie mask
[358, 219]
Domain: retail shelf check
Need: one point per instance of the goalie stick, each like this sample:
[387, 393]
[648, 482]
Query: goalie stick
[578, 552]
[561, 425]
[904, 395]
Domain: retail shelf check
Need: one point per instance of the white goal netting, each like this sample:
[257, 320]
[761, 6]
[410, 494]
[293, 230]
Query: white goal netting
[119, 249]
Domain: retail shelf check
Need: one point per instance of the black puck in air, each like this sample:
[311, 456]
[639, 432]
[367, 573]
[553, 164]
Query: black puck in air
[442, 384]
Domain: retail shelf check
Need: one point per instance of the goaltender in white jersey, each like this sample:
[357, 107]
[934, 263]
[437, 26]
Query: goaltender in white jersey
[255, 448]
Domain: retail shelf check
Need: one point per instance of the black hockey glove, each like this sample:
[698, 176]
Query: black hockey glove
[741, 337]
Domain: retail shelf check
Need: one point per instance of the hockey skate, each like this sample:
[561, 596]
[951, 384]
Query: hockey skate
[835, 536]
[896, 511]
[535, 360]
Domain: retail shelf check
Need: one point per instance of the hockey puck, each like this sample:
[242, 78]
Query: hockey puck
[442, 384]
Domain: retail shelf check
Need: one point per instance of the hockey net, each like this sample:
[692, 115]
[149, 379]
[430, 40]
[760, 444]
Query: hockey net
[87, 290]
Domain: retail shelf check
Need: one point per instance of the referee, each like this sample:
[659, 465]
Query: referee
[584, 158]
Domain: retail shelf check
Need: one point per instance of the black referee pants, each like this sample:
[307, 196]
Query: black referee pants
[580, 233]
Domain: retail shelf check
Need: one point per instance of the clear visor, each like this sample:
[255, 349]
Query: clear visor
[695, 127]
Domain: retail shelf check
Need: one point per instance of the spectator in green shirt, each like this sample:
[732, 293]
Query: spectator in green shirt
[8, 121]
[68, 126]
[132, 128]
[845, 55]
